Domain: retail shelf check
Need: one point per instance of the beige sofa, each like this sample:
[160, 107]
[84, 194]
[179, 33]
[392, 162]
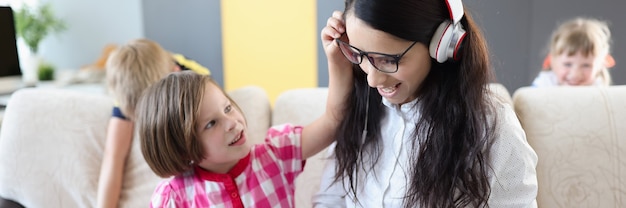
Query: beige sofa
[579, 134]
[51, 144]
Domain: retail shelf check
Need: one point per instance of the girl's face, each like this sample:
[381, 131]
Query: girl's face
[576, 69]
[399, 87]
[221, 130]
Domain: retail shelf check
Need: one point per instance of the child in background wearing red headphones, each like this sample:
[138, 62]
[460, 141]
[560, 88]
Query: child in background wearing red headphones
[421, 128]
[579, 55]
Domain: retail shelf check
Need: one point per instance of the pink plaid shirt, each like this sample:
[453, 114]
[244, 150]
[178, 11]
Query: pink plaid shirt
[264, 178]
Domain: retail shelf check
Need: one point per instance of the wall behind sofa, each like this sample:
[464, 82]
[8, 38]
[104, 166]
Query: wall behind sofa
[517, 31]
[191, 28]
[269, 44]
[90, 26]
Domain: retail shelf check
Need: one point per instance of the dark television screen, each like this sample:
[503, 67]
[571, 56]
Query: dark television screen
[9, 62]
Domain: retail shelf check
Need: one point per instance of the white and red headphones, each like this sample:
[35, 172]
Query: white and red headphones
[449, 35]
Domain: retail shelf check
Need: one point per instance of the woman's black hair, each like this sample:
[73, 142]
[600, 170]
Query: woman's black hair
[453, 134]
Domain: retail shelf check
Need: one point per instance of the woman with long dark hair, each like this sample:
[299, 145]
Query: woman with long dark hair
[421, 127]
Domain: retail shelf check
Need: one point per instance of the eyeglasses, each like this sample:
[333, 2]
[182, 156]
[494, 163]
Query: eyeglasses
[382, 62]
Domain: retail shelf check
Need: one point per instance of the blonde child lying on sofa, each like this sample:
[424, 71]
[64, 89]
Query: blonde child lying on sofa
[190, 129]
[578, 55]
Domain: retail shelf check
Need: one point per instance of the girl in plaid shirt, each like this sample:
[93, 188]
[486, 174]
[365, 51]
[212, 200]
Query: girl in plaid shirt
[191, 130]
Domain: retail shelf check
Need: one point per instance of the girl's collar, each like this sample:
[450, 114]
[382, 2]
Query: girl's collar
[233, 173]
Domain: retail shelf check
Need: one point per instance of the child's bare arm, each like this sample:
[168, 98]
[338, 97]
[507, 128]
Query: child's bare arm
[321, 132]
[116, 149]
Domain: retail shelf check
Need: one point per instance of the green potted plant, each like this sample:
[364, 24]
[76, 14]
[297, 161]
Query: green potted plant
[45, 72]
[32, 25]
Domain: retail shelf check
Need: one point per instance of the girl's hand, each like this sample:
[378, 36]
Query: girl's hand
[320, 133]
[335, 28]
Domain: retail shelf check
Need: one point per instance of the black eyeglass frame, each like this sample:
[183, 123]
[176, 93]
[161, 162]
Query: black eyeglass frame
[362, 53]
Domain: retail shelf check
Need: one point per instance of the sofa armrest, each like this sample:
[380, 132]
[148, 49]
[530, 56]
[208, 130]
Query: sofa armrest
[578, 135]
[51, 146]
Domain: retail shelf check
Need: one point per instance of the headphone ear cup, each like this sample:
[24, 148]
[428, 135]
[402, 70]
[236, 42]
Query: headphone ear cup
[440, 42]
[446, 42]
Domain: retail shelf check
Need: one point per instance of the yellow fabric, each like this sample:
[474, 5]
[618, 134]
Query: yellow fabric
[191, 64]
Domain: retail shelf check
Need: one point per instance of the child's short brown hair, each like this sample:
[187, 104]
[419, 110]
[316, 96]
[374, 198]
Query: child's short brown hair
[133, 67]
[166, 117]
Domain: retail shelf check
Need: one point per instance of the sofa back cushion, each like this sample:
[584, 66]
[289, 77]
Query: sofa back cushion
[579, 136]
[301, 107]
[51, 144]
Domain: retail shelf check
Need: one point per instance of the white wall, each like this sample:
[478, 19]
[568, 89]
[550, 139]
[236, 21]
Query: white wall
[90, 26]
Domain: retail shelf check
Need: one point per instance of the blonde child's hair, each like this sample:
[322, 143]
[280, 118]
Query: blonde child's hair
[133, 67]
[589, 36]
[167, 115]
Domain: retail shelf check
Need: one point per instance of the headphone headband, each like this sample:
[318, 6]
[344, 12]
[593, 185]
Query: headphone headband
[455, 8]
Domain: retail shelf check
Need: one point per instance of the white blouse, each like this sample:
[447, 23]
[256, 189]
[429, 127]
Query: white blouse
[513, 181]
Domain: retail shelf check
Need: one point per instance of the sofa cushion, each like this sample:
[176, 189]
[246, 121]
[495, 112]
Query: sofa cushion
[51, 145]
[578, 134]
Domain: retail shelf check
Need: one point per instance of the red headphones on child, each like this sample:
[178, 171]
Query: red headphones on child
[449, 35]
[608, 62]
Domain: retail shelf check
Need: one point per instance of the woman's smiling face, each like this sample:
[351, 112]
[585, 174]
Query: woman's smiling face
[399, 87]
